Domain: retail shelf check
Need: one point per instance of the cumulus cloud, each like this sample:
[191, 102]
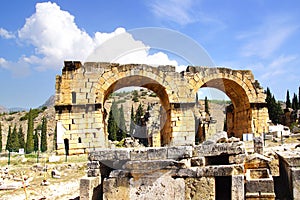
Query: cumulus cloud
[56, 37]
[6, 34]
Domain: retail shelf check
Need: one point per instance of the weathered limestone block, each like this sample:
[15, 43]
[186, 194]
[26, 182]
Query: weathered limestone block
[295, 174]
[139, 154]
[189, 172]
[200, 188]
[210, 148]
[116, 188]
[222, 170]
[157, 187]
[157, 153]
[237, 185]
[258, 145]
[149, 166]
[237, 159]
[110, 154]
[180, 152]
[89, 187]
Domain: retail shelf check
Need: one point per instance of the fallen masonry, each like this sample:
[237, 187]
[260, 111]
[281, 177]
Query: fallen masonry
[207, 171]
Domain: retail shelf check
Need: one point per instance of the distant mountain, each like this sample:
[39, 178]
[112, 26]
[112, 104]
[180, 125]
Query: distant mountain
[3, 109]
[17, 109]
[50, 102]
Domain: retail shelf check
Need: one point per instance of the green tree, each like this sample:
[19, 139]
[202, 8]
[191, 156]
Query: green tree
[9, 141]
[15, 139]
[132, 122]
[206, 105]
[55, 139]
[299, 98]
[295, 102]
[139, 115]
[274, 108]
[112, 126]
[36, 140]
[21, 138]
[0, 137]
[29, 139]
[135, 96]
[122, 127]
[288, 101]
[44, 135]
[140, 129]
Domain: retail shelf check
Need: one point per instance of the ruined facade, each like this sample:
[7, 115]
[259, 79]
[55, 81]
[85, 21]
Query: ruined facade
[81, 92]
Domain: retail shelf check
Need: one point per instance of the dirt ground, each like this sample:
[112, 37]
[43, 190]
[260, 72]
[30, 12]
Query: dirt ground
[66, 187]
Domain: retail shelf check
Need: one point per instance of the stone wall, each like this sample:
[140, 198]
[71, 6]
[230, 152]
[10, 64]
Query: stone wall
[182, 172]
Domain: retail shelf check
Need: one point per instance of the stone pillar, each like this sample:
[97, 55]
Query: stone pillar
[183, 124]
[87, 187]
[260, 118]
[295, 174]
[258, 145]
[237, 184]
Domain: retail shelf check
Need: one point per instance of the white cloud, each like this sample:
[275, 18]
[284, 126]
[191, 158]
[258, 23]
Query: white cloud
[282, 60]
[18, 69]
[55, 37]
[121, 47]
[174, 10]
[278, 68]
[6, 34]
[267, 38]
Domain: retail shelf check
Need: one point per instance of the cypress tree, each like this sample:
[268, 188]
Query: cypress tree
[132, 122]
[44, 135]
[274, 108]
[21, 138]
[295, 102]
[139, 114]
[36, 140]
[55, 139]
[8, 141]
[299, 98]
[288, 101]
[29, 138]
[206, 105]
[122, 127]
[112, 126]
[0, 137]
[140, 130]
[15, 139]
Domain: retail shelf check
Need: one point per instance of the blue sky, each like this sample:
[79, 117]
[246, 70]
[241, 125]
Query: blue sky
[37, 36]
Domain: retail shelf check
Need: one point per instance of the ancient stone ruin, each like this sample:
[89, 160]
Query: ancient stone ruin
[81, 92]
[173, 167]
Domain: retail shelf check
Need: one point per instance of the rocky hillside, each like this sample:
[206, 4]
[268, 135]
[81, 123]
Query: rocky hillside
[17, 118]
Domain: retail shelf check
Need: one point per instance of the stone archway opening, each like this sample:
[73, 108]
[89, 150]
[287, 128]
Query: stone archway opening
[155, 131]
[238, 114]
[210, 113]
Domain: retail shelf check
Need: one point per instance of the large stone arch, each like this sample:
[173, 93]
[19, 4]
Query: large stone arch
[138, 78]
[248, 113]
[81, 92]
